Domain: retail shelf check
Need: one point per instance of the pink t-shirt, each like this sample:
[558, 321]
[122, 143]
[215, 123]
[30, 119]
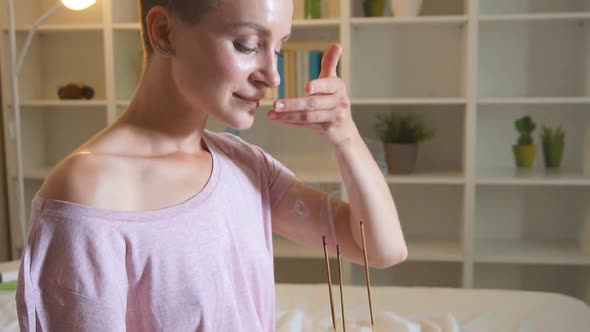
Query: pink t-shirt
[205, 264]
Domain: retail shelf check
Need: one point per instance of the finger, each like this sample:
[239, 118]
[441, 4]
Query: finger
[328, 85]
[304, 117]
[330, 61]
[309, 103]
[315, 126]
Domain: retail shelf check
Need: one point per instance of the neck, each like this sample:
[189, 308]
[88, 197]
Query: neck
[162, 113]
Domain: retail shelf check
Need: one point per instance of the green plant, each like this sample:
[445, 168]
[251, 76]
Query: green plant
[373, 7]
[553, 146]
[401, 129]
[525, 127]
[550, 136]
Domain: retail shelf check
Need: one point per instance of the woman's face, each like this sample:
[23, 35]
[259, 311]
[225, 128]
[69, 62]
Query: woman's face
[224, 64]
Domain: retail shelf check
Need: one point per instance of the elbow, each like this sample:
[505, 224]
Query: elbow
[396, 256]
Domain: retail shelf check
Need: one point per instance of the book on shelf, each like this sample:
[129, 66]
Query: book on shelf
[281, 70]
[300, 64]
[9, 271]
[298, 9]
[329, 9]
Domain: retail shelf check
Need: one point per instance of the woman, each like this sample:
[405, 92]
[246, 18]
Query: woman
[156, 224]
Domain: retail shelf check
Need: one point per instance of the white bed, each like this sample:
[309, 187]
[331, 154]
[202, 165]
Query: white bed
[306, 308]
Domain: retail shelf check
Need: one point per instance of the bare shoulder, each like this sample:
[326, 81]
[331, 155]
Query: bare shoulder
[76, 179]
[91, 175]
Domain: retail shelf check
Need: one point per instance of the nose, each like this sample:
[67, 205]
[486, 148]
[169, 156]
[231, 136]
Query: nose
[267, 72]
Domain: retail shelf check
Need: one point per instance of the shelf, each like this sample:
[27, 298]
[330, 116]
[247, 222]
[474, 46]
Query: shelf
[62, 103]
[59, 28]
[316, 176]
[417, 251]
[409, 101]
[528, 7]
[390, 54]
[127, 26]
[508, 176]
[35, 173]
[517, 58]
[56, 59]
[536, 17]
[427, 178]
[316, 23]
[434, 250]
[368, 21]
[521, 251]
[534, 101]
[412, 274]
[333, 176]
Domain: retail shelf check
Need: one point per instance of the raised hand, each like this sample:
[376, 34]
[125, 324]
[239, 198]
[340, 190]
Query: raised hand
[326, 107]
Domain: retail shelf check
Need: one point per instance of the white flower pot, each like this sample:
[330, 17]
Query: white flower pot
[406, 8]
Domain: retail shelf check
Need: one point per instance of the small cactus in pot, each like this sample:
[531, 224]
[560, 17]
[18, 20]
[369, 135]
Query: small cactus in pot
[525, 149]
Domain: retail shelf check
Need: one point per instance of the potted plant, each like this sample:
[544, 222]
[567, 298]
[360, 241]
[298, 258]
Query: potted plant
[401, 135]
[553, 144]
[406, 8]
[373, 7]
[524, 150]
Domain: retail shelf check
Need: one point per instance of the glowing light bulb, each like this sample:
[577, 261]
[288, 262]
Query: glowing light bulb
[78, 4]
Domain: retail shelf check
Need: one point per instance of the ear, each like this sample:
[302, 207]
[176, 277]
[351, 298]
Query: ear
[159, 28]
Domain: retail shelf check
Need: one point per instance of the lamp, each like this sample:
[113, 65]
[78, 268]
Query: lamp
[15, 66]
[78, 4]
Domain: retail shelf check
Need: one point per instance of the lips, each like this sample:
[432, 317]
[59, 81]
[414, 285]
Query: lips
[254, 99]
[252, 102]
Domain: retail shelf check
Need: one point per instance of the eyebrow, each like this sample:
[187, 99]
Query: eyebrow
[256, 26]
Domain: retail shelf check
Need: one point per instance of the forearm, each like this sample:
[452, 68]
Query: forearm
[370, 201]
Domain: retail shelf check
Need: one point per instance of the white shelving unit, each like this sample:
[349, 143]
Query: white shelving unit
[468, 67]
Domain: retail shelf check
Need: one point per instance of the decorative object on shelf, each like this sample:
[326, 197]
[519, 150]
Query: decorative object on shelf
[406, 8]
[524, 150]
[373, 8]
[401, 135]
[553, 141]
[16, 62]
[75, 90]
[313, 9]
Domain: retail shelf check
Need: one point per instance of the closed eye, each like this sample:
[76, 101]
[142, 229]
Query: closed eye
[244, 49]
[249, 50]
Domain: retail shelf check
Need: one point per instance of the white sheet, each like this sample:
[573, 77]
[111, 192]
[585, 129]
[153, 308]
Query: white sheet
[470, 310]
[8, 322]
[303, 308]
[359, 321]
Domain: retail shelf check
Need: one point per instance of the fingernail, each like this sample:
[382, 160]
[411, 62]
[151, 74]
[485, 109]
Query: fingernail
[279, 105]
